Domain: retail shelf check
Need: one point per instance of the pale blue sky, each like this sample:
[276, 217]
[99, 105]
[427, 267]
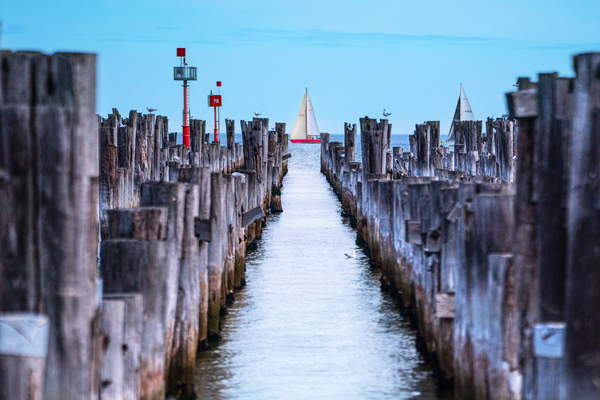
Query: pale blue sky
[355, 57]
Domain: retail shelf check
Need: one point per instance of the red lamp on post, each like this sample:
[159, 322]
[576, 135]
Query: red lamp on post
[185, 74]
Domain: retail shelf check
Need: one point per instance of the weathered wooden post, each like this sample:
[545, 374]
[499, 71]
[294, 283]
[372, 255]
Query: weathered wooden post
[230, 130]
[201, 177]
[503, 374]
[130, 338]
[109, 164]
[127, 152]
[215, 254]
[463, 360]
[523, 106]
[192, 276]
[496, 237]
[375, 143]
[144, 149]
[504, 148]
[283, 148]
[386, 230]
[171, 196]
[324, 150]
[350, 142]
[583, 263]
[134, 260]
[113, 326]
[131, 266]
[50, 204]
[241, 207]
[423, 147]
[230, 238]
[447, 279]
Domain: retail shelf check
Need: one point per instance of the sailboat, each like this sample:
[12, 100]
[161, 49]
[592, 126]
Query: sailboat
[463, 112]
[306, 129]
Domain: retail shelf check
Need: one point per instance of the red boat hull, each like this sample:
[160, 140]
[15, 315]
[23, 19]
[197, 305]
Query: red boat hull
[305, 140]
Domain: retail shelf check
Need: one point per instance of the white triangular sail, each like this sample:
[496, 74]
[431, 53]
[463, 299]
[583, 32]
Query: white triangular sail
[312, 129]
[299, 131]
[463, 112]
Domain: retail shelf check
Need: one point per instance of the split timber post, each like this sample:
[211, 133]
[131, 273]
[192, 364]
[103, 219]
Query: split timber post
[375, 138]
[128, 341]
[350, 142]
[241, 199]
[282, 140]
[112, 324]
[50, 198]
[230, 129]
[583, 287]
[215, 254]
[171, 196]
[192, 277]
[133, 261]
[229, 241]
[543, 111]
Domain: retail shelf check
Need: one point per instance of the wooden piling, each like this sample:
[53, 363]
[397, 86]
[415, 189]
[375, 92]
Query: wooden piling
[113, 326]
[131, 339]
[132, 266]
[215, 255]
[583, 287]
[171, 196]
[50, 202]
[186, 326]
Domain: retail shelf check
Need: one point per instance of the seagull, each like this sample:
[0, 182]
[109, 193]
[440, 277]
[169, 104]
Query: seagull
[401, 170]
[151, 110]
[257, 113]
[353, 255]
[386, 114]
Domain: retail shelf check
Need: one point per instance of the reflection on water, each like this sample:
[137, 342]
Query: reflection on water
[312, 323]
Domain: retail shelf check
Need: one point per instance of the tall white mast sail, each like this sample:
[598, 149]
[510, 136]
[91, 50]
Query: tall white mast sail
[299, 131]
[312, 129]
[463, 112]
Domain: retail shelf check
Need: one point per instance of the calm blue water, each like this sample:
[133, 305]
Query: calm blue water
[312, 323]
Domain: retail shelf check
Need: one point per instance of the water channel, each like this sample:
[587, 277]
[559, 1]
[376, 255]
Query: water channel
[312, 323]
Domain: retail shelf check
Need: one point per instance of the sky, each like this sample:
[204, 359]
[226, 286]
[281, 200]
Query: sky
[355, 57]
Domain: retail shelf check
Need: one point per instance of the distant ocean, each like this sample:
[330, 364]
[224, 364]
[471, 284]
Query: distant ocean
[397, 141]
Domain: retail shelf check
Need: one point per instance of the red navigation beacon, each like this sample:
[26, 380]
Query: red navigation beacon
[185, 74]
[214, 100]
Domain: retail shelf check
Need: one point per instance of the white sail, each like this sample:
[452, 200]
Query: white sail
[299, 131]
[463, 112]
[312, 129]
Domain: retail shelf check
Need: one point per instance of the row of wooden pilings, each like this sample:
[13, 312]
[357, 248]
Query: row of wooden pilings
[119, 249]
[501, 278]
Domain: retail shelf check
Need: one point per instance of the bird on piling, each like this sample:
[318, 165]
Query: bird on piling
[400, 169]
[353, 255]
[386, 114]
[257, 113]
[151, 110]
